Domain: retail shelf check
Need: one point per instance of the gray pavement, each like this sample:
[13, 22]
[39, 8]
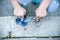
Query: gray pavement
[49, 26]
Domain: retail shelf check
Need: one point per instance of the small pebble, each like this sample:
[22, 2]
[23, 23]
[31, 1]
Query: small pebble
[25, 29]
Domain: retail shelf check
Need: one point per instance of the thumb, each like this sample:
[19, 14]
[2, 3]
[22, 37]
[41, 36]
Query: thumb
[22, 18]
[37, 18]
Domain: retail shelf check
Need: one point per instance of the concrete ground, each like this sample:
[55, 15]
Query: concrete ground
[49, 26]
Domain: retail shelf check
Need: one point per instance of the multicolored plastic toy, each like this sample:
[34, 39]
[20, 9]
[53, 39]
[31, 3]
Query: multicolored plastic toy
[37, 23]
[22, 22]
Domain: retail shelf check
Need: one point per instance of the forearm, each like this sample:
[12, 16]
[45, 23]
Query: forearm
[15, 3]
[45, 4]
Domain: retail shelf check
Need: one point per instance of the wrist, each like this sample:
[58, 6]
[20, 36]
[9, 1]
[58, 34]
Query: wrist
[42, 7]
[19, 7]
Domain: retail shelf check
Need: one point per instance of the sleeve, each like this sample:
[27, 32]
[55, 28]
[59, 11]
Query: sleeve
[24, 2]
[53, 6]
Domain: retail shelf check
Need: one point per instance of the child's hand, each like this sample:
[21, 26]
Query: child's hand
[19, 12]
[40, 12]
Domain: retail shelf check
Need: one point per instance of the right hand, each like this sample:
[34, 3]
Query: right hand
[19, 12]
[40, 12]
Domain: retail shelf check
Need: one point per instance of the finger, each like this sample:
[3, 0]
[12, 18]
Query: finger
[21, 17]
[17, 16]
[24, 13]
[37, 18]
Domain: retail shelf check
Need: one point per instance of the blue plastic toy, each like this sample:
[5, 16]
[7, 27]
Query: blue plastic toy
[22, 22]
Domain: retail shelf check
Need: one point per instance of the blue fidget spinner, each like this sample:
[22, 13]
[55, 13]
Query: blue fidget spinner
[22, 22]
